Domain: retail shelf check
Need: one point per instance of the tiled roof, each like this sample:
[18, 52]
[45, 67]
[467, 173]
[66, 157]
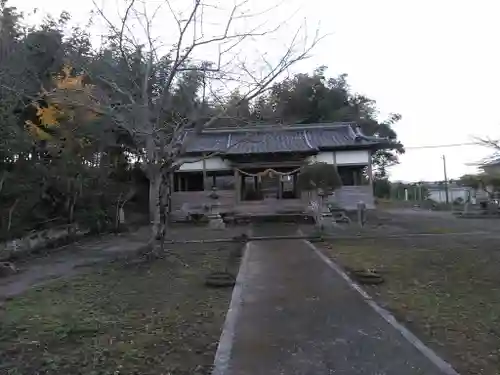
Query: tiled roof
[272, 139]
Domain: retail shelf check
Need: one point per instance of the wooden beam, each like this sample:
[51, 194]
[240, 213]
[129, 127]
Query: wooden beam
[274, 165]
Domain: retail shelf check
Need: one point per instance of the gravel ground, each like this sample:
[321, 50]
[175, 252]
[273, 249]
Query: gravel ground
[413, 222]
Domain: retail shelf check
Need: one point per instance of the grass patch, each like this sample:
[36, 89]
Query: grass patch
[148, 318]
[447, 293]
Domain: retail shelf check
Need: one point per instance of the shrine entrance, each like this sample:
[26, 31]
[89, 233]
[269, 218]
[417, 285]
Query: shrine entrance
[269, 185]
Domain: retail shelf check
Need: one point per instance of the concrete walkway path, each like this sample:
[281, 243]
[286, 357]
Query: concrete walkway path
[292, 314]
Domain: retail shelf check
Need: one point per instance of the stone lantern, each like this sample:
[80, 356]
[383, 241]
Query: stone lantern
[214, 218]
[361, 213]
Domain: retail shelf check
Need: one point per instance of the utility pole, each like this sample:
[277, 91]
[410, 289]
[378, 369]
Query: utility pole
[445, 181]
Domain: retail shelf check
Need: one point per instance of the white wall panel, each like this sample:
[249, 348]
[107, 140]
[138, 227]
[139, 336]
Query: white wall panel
[211, 164]
[352, 157]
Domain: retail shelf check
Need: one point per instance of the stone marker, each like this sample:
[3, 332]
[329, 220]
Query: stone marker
[361, 213]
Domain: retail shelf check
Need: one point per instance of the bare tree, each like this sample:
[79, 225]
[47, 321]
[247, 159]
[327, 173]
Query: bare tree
[136, 90]
[491, 143]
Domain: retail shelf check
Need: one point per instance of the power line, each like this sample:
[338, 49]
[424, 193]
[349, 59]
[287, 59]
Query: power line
[444, 145]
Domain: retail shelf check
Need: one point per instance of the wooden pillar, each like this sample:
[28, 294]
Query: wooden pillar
[337, 168]
[171, 177]
[294, 181]
[204, 162]
[179, 182]
[370, 171]
[237, 185]
[280, 187]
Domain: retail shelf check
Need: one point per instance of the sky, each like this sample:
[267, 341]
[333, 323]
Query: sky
[434, 62]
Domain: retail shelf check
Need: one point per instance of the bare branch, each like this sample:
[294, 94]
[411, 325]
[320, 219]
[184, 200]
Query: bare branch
[21, 94]
[113, 85]
[179, 25]
[265, 11]
[11, 212]
[489, 142]
[2, 180]
[119, 32]
[145, 21]
[178, 59]
[261, 85]
[156, 91]
[225, 37]
[122, 29]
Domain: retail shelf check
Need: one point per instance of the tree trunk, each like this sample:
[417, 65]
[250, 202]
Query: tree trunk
[165, 205]
[2, 180]
[11, 212]
[155, 180]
